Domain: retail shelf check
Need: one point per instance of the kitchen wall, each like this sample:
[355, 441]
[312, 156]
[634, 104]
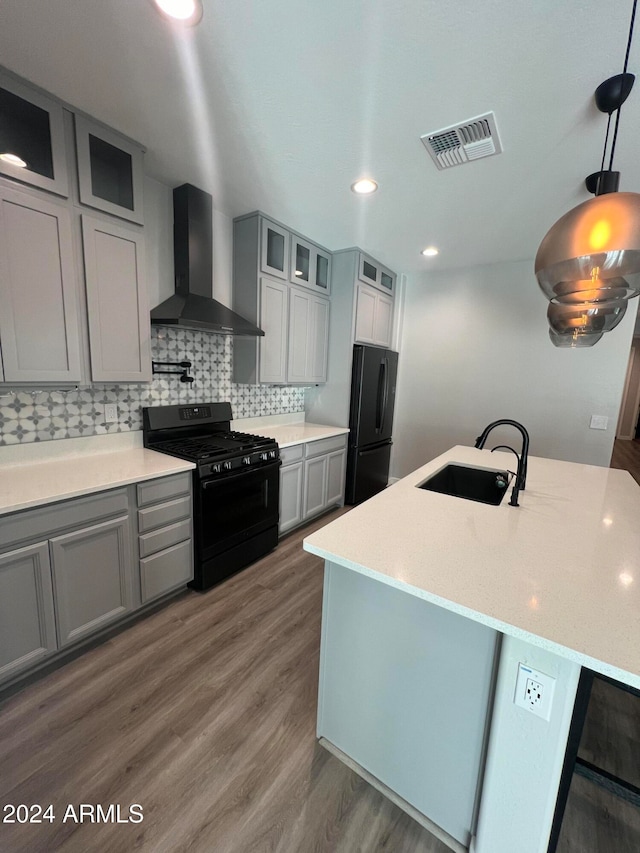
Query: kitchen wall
[475, 348]
[27, 416]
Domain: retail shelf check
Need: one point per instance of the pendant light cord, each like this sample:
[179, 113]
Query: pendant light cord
[624, 71]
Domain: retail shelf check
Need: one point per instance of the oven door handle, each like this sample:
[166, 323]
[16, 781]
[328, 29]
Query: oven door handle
[218, 481]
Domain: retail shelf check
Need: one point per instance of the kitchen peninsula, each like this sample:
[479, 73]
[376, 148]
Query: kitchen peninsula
[431, 602]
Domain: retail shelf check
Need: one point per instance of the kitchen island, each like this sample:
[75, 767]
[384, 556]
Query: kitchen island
[421, 585]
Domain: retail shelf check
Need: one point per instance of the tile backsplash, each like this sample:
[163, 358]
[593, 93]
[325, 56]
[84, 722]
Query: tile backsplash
[41, 415]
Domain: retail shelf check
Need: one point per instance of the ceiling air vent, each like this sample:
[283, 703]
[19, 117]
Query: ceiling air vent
[460, 143]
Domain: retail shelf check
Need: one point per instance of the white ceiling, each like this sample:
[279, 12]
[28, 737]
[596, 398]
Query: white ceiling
[281, 104]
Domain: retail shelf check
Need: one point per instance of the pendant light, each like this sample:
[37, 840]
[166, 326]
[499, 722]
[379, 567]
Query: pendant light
[586, 317]
[591, 255]
[575, 340]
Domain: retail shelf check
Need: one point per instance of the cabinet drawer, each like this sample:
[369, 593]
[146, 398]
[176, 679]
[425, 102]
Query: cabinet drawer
[163, 514]
[166, 570]
[291, 454]
[164, 487]
[52, 518]
[325, 445]
[150, 543]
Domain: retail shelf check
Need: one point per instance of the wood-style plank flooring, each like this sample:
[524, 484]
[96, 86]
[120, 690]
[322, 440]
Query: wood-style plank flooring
[626, 455]
[204, 713]
[596, 821]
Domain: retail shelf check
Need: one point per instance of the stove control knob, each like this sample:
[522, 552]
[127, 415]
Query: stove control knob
[227, 466]
[216, 468]
[272, 454]
[246, 460]
[264, 456]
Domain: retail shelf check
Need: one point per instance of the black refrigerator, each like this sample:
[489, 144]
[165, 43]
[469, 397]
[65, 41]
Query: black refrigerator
[373, 394]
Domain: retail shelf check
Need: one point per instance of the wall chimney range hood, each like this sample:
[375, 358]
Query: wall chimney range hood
[192, 306]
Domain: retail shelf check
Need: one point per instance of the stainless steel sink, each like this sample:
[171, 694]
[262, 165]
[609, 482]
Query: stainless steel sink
[485, 485]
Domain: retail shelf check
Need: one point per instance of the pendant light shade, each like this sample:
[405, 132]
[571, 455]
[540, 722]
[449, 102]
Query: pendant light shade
[587, 317]
[592, 253]
[575, 339]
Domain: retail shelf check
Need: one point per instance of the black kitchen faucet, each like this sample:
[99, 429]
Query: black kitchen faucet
[521, 476]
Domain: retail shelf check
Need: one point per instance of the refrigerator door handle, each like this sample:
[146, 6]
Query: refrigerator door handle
[375, 449]
[385, 395]
[382, 376]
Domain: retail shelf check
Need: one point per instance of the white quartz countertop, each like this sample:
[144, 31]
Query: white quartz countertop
[60, 477]
[297, 433]
[561, 571]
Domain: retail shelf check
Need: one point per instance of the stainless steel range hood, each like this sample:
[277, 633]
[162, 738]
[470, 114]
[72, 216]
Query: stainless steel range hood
[191, 306]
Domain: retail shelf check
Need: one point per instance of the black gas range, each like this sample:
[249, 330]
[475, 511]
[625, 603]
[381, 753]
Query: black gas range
[236, 485]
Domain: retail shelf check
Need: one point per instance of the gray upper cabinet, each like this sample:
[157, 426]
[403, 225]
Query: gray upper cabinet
[119, 323]
[273, 318]
[43, 331]
[91, 577]
[274, 249]
[32, 146]
[373, 273]
[39, 332]
[374, 317]
[310, 265]
[308, 337]
[268, 259]
[110, 171]
[27, 626]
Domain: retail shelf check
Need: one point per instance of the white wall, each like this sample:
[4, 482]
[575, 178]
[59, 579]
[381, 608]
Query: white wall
[475, 348]
[158, 229]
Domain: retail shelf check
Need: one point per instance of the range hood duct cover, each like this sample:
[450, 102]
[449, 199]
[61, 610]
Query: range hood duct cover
[191, 306]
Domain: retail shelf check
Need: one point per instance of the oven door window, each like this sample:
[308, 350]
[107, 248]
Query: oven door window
[234, 508]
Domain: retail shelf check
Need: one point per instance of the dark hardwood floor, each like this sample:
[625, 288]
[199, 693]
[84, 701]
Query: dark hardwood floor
[204, 713]
[626, 455]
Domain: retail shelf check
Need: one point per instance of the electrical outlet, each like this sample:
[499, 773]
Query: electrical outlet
[534, 691]
[111, 413]
[599, 422]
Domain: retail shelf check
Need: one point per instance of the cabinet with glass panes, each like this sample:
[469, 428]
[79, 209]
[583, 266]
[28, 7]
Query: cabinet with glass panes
[283, 281]
[35, 151]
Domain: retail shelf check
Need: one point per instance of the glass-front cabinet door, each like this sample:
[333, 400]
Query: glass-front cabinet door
[32, 137]
[387, 280]
[301, 261]
[310, 266]
[274, 253]
[323, 271]
[110, 171]
[371, 272]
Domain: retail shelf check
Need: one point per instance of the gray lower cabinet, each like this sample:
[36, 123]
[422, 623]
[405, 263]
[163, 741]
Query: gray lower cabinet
[291, 482]
[311, 479]
[165, 537]
[91, 571]
[27, 622]
[324, 473]
[315, 491]
[70, 569]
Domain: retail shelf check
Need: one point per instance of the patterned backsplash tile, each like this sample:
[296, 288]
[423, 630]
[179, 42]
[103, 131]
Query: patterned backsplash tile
[41, 415]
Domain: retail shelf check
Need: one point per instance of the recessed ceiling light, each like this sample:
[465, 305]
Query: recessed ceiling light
[430, 252]
[364, 186]
[13, 159]
[185, 11]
